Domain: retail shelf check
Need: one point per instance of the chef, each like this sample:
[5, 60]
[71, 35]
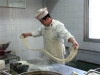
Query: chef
[54, 34]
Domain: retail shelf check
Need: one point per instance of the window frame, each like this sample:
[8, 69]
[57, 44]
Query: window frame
[86, 24]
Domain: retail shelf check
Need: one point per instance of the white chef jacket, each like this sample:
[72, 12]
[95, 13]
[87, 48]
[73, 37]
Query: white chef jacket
[60, 32]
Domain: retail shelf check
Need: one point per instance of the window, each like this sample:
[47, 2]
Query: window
[92, 20]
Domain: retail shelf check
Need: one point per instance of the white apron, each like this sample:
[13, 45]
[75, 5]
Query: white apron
[53, 45]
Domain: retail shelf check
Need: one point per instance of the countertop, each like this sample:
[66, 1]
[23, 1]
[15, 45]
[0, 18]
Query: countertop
[60, 68]
[63, 69]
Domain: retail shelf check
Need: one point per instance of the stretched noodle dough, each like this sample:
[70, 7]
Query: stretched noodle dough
[72, 54]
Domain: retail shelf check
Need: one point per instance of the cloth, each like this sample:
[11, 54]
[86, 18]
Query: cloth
[60, 32]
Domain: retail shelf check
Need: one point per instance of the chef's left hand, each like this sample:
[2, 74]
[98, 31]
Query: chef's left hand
[75, 45]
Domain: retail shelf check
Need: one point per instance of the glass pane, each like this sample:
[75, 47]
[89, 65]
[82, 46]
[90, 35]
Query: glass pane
[94, 19]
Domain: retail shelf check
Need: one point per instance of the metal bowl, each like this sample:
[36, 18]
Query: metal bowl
[41, 73]
[4, 44]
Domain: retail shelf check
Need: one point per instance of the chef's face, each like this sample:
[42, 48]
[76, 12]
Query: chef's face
[45, 22]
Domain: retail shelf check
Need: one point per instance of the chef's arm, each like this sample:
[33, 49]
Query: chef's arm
[73, 41]
[37, 33]
[63, 32]
[29, 34]
[26, 34]
[34, 33]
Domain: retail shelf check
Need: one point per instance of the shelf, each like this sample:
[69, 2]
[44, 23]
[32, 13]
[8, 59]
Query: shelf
[10, 57]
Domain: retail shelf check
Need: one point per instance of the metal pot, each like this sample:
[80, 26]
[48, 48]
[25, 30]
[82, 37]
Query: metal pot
[41, 73]
[4, 44]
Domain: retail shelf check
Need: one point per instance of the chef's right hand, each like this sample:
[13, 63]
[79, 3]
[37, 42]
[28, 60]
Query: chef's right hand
[24, 35]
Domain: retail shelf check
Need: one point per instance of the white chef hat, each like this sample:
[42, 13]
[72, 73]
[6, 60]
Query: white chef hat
[41, 13]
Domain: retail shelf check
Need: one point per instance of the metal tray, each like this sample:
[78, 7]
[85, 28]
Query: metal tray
[41, 73]
[98, 69]
[95, 71]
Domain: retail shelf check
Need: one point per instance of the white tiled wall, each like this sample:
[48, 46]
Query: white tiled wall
[71, 13]
[88, 56]
[15, 21]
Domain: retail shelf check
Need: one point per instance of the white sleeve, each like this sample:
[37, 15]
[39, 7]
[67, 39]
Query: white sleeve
[37, 32]
[63, 32]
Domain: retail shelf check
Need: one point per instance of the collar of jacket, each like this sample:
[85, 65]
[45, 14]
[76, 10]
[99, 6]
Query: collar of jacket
[51, 24]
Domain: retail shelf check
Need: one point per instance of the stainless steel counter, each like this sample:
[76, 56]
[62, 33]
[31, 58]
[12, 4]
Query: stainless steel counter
[62, 69]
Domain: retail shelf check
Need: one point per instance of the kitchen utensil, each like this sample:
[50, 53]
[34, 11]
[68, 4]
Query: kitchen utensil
[41, 73]
[3, 46]
[19, 67]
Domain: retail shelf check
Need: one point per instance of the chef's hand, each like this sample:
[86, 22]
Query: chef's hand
[26, 34]
[75, 45]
